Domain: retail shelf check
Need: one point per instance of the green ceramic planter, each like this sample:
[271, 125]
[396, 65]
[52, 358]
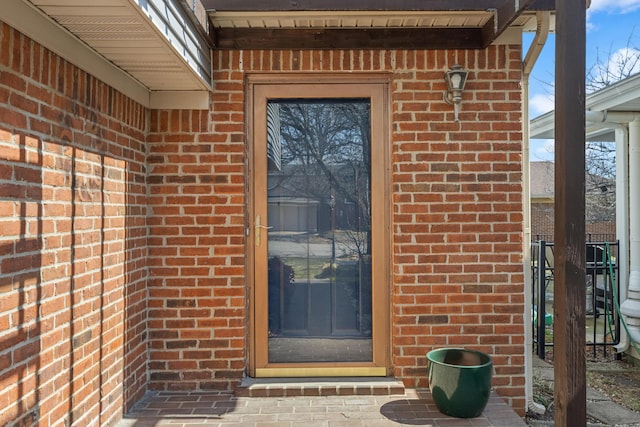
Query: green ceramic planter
[460, 381]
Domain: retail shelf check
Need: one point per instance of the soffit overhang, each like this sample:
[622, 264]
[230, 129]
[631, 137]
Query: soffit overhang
[159, 51]
[155, 51]
[369, 24]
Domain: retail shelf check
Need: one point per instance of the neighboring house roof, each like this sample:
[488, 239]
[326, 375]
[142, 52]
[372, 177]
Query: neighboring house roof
[622, 96]
[542, 181]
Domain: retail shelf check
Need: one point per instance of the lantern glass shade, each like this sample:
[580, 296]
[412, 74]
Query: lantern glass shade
[456, 78]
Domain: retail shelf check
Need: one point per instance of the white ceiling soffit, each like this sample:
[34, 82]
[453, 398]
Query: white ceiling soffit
[359, 19]
[350, 19]
[528, 23]
[367, 24]
[147, 49]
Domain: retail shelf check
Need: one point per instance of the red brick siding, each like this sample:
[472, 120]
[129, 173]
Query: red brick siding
[73, 247]
[542, 221]
[72, 242]
[197, 270]
[542, 225]
[457, 217]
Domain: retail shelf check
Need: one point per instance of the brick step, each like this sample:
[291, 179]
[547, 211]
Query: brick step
[347, 386]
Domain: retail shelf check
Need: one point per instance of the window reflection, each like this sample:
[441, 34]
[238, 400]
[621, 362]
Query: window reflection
[320, 236]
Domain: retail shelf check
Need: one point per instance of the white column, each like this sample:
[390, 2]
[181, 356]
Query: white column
[631, 306]
[622, 220]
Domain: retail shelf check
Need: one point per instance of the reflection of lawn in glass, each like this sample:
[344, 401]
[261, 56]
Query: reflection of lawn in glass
[305, 268]
[312, 269]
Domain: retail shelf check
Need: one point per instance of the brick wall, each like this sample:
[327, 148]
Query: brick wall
[72, 242]
[457, 217]
[197, 280]
[458, 205]
[542, 226]
[542, 221]
[74, 294]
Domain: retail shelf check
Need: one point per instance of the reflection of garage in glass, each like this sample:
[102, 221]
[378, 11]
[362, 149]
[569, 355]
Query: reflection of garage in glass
[293, 214]
[299, 214]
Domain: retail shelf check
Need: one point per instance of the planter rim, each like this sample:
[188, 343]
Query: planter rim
[432, 353]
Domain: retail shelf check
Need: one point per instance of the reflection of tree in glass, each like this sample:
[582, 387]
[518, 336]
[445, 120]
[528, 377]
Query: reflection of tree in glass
[326, 156]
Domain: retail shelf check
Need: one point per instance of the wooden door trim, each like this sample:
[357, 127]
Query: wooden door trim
[316, 85]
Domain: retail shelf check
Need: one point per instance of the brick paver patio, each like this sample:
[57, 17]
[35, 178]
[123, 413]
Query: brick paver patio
[198, 409]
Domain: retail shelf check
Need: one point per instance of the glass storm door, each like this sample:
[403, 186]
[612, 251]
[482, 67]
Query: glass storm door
[315, 230]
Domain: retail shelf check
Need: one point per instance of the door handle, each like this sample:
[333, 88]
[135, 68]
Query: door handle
[258, 230]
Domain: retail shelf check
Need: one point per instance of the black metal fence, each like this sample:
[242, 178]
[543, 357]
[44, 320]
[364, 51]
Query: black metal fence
[589, 237]
[602, 290]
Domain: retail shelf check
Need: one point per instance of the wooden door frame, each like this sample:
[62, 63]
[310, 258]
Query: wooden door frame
[316, 85]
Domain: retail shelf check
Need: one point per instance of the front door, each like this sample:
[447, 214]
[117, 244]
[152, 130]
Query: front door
[319, 240]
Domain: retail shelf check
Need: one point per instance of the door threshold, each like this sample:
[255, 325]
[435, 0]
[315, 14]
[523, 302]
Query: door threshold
[321, 372]
[320, 386]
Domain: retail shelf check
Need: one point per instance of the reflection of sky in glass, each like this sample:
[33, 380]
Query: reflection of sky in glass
[332, 131]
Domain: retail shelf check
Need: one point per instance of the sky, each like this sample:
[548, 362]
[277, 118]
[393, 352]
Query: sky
[612, 26]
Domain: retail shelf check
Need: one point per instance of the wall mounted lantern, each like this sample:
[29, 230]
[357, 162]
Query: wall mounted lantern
[456, 77]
